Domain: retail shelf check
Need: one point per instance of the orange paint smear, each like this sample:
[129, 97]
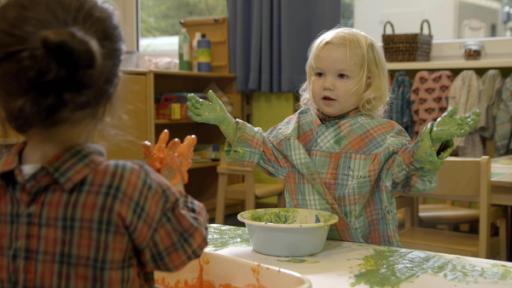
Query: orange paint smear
[201, 282]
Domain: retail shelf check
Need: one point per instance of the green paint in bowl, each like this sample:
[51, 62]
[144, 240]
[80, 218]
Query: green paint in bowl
[287, 232]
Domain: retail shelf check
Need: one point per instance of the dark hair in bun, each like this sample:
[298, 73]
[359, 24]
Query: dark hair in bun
[70, 56]
[57, 58]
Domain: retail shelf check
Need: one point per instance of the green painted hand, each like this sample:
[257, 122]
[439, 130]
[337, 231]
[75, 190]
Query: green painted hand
[212, 112]
[449, 125]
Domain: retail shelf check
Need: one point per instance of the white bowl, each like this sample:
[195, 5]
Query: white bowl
[287, 232]
[220, 270]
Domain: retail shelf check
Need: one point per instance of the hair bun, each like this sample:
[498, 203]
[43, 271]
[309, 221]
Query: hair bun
[70, 49]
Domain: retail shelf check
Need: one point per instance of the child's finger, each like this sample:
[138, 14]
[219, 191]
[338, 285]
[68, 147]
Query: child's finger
[196, 105]
[195, 115]
[163, 139]
[147, 148]
[173, 146]
[214, 99]
[452, 111]
[190, 141]
[193, 99]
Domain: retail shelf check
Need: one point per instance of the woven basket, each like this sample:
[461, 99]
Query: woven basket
[407, 47]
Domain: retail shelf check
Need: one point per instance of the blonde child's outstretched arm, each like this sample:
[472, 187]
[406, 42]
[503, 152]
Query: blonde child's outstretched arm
[417, 164]
[246, 143]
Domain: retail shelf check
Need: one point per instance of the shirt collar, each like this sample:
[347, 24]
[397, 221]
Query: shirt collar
[9, 159]
[67, 167]
[324, 118]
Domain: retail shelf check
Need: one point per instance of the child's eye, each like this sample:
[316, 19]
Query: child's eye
[319, 74]
[342, 76]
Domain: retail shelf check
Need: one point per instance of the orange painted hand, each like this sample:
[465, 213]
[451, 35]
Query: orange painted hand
[185, 152]
[171, 159]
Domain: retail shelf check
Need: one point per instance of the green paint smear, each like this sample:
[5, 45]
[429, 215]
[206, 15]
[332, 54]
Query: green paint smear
[275, 216]
[299, 260]
[389, 267]
[222, 236]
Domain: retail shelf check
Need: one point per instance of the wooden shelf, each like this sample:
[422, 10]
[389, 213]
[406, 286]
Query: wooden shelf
[453, 64]
[194, 74]
[204, 164]
[170, 122]
[138, 89]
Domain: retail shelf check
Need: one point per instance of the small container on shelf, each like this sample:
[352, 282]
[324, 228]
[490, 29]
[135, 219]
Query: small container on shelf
[473, 50]
[215, 152]
[163, 106]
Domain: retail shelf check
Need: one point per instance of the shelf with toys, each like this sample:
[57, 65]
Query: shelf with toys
[140, 115]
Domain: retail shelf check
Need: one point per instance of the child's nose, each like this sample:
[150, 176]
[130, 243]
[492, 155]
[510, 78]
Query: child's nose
[328, 83]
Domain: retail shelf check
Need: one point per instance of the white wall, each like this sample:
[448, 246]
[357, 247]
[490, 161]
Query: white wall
[406, 15]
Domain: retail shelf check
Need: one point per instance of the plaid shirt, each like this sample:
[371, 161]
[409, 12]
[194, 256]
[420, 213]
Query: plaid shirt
[83, 221]
[349, 166]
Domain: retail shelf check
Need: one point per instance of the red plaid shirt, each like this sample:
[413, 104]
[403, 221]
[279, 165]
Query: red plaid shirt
[83, 221]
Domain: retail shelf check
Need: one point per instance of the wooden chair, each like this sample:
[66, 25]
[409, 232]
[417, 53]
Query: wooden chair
[447, 215]
[248, 190]
[459, 179]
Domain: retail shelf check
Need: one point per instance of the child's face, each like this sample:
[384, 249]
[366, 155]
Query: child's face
[334, 81]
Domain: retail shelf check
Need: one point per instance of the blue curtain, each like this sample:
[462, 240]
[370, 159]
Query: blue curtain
[269, 39]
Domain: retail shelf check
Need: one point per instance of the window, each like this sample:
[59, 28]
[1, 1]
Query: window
[159, 21]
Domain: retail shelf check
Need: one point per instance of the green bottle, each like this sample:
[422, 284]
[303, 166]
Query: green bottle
[184, 51]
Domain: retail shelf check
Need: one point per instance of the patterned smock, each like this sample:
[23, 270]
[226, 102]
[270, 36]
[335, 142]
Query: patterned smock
[350, 166]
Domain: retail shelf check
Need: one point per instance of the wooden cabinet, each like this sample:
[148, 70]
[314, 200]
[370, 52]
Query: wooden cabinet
[132, 120]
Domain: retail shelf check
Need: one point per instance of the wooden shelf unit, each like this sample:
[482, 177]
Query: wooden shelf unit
[456, 66]
[453, 64]
[133, 116]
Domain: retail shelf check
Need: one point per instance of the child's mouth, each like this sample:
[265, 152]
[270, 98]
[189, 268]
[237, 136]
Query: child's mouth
[327, 98]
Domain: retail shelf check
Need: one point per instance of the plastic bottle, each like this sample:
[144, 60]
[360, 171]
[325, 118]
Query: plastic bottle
[197, 36]
[184, 51]
[215, 152]
[204, 54]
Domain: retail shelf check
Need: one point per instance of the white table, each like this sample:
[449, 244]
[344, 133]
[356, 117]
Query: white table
[501, 189]
[345, 264]
[501, 180]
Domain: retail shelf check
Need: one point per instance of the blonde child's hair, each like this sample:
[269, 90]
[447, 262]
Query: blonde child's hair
[372, 81]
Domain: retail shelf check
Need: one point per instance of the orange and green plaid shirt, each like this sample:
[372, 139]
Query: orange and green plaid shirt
[350, 166]
[83, 221]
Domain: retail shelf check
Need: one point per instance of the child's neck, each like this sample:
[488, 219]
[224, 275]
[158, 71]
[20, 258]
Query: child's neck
[44, 144]
[325, 118]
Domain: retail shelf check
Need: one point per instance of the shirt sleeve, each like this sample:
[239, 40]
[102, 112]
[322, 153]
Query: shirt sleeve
[168, 226]
[252, 146]
[412, 166]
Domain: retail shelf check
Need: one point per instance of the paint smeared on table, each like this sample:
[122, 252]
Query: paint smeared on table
[200, 280]
[221, 236]
[390, 267]
[298, 260]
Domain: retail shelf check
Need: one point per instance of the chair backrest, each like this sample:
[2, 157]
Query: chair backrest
[464, 179]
